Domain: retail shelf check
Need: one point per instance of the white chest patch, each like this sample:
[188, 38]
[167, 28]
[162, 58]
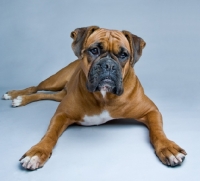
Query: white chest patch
[96, 119]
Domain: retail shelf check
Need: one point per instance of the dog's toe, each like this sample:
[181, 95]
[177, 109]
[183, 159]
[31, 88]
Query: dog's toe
[180, 157]
[173, 161]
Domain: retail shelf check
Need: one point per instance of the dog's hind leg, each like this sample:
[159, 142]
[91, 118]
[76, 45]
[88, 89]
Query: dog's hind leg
[14, 93]
[55, 82]
[26, 99]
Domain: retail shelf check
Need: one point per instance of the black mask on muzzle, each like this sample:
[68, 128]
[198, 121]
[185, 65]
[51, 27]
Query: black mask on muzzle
[105, 75]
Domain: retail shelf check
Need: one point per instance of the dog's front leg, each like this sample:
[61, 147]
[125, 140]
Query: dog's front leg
[166, 150]
[39, 153]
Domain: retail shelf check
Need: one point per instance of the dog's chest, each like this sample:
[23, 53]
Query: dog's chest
[96, 119]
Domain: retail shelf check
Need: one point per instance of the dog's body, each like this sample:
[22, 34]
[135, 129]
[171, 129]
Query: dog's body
[99, 86]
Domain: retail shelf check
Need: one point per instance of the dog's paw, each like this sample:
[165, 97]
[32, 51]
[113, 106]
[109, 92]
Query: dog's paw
[35, 158]
[6, 96]
[17, 101]
[170, 153]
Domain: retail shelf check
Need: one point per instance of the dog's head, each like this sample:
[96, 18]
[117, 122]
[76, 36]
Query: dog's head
[106, 56]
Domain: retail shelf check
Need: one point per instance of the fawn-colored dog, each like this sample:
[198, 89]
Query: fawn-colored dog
[101, 85]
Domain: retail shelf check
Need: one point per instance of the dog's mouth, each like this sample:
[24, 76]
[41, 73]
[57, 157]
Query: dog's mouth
[106, 85]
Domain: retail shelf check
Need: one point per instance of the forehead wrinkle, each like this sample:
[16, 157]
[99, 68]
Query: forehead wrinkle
[119, 36]
[108, 37]
[98, 36]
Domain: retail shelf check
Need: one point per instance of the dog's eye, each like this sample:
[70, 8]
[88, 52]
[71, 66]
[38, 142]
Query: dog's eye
[123, 55]
[94, 51]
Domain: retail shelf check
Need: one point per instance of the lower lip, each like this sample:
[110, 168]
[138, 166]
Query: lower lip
[105, 88]
[106, 85]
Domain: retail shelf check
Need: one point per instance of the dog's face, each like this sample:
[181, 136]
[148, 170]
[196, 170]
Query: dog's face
[106, 56]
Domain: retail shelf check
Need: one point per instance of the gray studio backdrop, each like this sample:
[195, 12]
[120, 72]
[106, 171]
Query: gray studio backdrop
[35, 43]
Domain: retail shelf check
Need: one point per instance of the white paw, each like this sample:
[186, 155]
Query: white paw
[17, 101]
[6, 97]
[30, 163]
[176, 160]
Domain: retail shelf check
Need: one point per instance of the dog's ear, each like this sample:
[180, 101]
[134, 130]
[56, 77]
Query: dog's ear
[79, 36]
[136, 45]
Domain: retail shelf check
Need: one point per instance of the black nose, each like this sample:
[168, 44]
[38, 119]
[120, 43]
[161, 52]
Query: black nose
[109, 65]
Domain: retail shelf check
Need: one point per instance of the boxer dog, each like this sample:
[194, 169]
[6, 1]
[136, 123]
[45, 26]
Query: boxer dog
[99, 86]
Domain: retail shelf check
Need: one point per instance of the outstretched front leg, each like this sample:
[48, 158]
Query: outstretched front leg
[39, 154]
[167, 151]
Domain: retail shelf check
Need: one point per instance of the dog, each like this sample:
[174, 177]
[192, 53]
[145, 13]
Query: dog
[99, 86]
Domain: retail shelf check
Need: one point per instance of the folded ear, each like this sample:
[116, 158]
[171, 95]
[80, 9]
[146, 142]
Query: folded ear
[80, 35]
[136, 45]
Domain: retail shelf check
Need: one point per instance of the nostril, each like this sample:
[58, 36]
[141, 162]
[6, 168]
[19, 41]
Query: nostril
[113, 67]
[107, 66]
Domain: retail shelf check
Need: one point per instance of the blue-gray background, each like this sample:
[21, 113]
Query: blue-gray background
[35, 43]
